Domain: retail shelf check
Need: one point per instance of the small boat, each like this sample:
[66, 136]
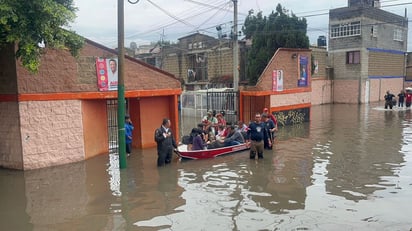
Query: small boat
[210, 153]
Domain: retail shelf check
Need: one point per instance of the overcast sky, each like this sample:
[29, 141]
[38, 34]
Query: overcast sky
[151, 20]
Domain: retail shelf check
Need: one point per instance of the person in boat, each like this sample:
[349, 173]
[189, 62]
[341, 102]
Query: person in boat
[220, 120]
[233, 138]
[242, 128]
[220, 132]
[198, 142]
[210, 120]
[256, 134]
[389, 100]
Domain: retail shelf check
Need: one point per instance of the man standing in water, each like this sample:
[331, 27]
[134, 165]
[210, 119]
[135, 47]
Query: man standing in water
[129, 133]
[257, 133]
[165, 143]
[389, 100]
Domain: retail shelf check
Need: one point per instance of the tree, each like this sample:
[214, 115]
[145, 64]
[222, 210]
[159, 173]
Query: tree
[37, 24]
[277, 30]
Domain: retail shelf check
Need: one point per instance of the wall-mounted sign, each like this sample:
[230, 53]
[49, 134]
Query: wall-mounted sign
[277, 80]
[106, 70]
[303, 71]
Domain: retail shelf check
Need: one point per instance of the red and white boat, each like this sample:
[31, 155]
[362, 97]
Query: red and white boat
[210, 153]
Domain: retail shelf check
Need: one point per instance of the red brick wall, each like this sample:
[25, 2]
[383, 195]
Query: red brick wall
[60, 72]
[282, 60]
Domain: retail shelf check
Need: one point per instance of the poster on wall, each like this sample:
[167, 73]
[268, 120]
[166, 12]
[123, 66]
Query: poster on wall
[303, 71]
[277, 80]
[106, 70]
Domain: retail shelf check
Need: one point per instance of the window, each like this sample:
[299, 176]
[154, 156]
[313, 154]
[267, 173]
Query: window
[353, 57]
[345, 29]
[190, 46]
[397, 35]
[374, 31]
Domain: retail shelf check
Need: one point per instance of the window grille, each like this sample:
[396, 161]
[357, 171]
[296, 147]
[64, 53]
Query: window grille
[345, 29]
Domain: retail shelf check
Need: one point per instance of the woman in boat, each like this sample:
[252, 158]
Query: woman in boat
[198, 142]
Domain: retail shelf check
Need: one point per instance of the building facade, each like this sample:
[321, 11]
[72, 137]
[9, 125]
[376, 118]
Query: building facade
[59, 116]
[367, 48]
[202, 61]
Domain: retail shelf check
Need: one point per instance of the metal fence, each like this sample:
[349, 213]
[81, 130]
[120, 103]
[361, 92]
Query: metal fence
[111, 107]
[220, 100]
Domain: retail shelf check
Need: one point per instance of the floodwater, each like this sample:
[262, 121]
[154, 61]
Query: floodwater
[350, 168]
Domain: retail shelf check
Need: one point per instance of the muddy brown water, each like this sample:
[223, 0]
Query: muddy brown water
[350, 168]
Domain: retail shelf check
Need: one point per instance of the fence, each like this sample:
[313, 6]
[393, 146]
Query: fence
[220, 100]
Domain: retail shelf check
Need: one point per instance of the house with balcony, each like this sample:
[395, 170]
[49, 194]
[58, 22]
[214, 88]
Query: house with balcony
[201, 61]
[367, 47]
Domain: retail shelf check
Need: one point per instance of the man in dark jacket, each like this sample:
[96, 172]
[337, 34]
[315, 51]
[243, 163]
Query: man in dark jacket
[257, 133]
[165, 143]
[389, 100]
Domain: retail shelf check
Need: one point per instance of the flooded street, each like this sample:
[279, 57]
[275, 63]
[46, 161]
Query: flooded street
[350, 168]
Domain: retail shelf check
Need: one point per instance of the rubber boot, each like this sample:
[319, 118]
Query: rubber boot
[260, 155]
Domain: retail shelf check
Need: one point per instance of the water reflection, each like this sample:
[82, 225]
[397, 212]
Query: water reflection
[350, 168]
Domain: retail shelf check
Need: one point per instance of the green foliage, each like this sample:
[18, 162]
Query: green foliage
[279, 29]
[37, 23]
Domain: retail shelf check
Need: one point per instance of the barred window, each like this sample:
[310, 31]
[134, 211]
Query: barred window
[345, 29]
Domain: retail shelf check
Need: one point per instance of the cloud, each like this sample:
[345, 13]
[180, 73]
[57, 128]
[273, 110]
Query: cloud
[151, 20]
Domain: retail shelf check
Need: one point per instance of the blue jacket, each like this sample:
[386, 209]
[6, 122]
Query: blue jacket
[128, 130]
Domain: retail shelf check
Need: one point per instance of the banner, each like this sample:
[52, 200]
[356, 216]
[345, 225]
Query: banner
[277, 80]
[106, 70]
[303, 71]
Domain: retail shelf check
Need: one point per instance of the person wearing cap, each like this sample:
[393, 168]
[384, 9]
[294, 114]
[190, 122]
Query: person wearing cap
[270, 127]
[272, 117]
[129, 134]
[210, 121]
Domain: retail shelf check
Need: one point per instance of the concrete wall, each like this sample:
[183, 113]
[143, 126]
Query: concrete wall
[61, 111]
[322, 91]
[51, 133]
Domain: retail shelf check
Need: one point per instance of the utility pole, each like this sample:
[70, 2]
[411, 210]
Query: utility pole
[235, 49]
[120, 86]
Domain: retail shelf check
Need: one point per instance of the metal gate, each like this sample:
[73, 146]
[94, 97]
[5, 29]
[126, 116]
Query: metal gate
[226, 102]
[111, 107]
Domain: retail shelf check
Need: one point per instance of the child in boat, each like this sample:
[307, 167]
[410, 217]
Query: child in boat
[220, 132]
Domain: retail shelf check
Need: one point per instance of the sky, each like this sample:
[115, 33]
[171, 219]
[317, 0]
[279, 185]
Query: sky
[153, 20]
